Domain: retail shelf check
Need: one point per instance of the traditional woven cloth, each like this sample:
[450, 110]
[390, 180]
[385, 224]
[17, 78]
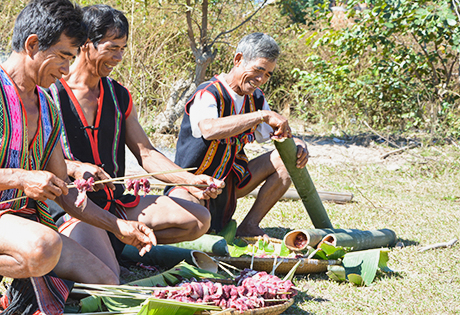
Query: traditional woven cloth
[221, 157]
[34, 295]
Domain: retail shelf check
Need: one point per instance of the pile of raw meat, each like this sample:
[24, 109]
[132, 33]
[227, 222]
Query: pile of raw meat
[254, 290]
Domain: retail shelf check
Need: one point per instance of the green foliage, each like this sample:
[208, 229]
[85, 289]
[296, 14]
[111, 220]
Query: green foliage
[394, 65]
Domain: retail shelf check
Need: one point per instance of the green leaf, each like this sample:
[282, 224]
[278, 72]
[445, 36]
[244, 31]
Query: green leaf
[364, 263]
[451, 22]
[291, 272]
[284, 251]
[229, 231]
[336, 273]
[355, 279]
[170, 307]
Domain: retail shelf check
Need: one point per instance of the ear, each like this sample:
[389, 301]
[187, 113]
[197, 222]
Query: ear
[85, 46]
[238, 59]
[31, 45]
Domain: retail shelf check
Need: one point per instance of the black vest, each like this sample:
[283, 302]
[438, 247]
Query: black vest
[217, 158]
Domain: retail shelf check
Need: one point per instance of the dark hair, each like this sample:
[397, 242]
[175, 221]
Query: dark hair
[258, 45]
[49, 19]
[100, 19]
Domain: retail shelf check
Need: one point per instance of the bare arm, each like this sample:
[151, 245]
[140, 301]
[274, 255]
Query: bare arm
[130, 232]
[154, 161]
[221, 128]
[39, 185]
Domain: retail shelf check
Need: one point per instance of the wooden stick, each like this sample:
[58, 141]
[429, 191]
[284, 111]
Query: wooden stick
[118, 179]
[439, 245]
[384, 156]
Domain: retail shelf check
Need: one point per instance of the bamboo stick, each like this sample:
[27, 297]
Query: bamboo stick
[117, 179]
[303, 184]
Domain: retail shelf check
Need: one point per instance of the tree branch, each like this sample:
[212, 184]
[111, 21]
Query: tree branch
[190, 34]
[204, 23]
[229, 31]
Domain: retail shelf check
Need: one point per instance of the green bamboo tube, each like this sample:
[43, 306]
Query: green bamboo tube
[303, 184]
[166, 256]
[211, 244]
[299, 239]
[360, 240]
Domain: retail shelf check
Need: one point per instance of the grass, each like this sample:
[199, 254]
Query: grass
[418, 201]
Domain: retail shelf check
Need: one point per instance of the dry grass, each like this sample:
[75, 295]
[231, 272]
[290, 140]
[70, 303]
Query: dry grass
[418, 202]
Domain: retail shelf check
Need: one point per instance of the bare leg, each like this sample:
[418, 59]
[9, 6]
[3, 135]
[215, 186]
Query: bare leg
[268, 167]
[27, 248]
[80, 265]
[96, 241]
[172, 219]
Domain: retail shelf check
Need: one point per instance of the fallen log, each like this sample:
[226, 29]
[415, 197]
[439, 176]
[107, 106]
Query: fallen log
[330, 196]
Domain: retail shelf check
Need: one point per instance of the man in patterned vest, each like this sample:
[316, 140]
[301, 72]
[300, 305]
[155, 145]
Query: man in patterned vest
[100, 119]
[222, 116]
[46, 37]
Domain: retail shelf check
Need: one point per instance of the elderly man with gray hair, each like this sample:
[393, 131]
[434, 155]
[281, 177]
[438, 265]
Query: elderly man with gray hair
[222, 116]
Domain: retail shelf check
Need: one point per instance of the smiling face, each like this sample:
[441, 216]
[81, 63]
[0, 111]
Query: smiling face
[252, 74]
[54, 62]
[107, 55]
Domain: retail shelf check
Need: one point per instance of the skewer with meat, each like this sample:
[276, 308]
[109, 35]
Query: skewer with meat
[138, 184]
[83, 186]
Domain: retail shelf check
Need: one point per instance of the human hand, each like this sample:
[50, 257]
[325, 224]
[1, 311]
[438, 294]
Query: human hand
[136, 234]
[213, 189]
[42, 185]
[302, 153]
[279, 124]
[80, 170]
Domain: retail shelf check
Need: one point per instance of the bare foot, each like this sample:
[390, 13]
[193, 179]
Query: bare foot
[249, 231]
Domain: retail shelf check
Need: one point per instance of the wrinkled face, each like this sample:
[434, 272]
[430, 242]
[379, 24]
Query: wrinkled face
[107, 55]
[53, 63]
[253, 74]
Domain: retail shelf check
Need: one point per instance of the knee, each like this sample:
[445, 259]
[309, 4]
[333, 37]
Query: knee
[42, 254]
[280, 169]
[203, 222]
[109, 278]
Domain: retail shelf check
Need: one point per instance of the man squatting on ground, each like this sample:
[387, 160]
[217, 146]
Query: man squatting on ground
[46, 36]
[222, 116]
[99, 119]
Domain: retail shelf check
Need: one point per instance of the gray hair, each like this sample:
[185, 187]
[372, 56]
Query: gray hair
[258, 45]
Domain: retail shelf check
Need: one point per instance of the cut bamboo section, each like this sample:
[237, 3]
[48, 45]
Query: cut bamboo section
[311, 236]
[210, 244]
[166, 256]
[361, 240]
[303, 184]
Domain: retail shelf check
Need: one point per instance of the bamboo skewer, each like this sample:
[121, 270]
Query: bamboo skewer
[120, 179]
[109, 180]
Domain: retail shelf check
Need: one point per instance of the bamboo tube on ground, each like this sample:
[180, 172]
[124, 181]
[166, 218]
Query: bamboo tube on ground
[299, 239]
[207, 243]
[169, 256]
[360, 240]
[304, 185]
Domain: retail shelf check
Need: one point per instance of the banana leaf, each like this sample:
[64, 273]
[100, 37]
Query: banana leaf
[167, 278]
[229, 232]
[303, 184]
[169, 307]
[211, 244]
[360, 267]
